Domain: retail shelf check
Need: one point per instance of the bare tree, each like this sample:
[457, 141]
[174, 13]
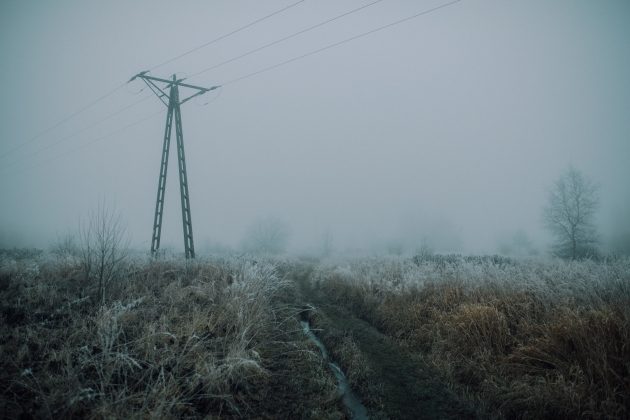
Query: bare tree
[569, 215]
[268, 235]
[103, 247]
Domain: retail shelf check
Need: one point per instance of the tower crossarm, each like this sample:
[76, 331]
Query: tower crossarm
[199, 93]
[161, 93]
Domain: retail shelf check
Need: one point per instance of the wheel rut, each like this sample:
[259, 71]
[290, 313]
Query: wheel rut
[394, 383]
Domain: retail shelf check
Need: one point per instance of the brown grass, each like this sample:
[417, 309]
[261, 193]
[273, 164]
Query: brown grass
[541, 348]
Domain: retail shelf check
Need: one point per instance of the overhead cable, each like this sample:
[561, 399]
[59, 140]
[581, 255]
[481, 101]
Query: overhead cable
[63, 120]
[227, 35]
[86, 144]
[115, 89]
[336, 44]
[76, 133]
[278, 41]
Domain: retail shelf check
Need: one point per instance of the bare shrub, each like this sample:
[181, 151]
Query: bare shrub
[266, 236]
[103, 248]
[66, 246]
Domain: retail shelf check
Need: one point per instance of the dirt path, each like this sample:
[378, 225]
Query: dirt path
[391, 382]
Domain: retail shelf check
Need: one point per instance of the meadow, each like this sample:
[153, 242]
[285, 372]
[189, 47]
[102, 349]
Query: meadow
[173, 339]
[530, 338]
[221, 336]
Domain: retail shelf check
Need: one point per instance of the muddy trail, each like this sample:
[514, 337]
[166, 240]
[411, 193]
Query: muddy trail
[390, 381]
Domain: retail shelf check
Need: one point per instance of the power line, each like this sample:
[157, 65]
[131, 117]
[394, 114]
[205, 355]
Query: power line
[310, 28]
[327, 47]
[115, 89]
[84, 145]
[74, 134]
[236, 80]
[63, 120]
[228, 34]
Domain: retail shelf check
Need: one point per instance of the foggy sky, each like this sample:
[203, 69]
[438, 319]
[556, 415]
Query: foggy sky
[446, 129]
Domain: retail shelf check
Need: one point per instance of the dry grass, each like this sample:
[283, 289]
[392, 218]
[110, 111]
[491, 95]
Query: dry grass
[528, 339]
[523, 339]
[174, 339]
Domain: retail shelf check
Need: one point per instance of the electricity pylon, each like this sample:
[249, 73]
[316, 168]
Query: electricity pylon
[173, 103]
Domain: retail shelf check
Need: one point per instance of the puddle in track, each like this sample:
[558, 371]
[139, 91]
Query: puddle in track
[349, 398]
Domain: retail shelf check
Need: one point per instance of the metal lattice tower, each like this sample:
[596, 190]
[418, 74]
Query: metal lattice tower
[173, 103]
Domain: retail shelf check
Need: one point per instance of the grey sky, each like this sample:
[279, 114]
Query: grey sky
[451, 125]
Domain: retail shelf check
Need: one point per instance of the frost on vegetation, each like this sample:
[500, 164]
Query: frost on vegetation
[257, 280]
[586, 281]
[8, 265]
[170, 333]
[541, 336]
[109, 329]
[25, 270]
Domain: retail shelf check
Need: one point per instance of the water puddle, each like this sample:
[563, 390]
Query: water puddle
[349, 398]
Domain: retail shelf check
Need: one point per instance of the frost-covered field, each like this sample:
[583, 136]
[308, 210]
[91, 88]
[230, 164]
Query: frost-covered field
[173, 339]
[221, 337]
[522, 338]
[587, 283]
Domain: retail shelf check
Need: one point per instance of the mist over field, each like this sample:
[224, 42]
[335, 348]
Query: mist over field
[445, 131]
[387, 208]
